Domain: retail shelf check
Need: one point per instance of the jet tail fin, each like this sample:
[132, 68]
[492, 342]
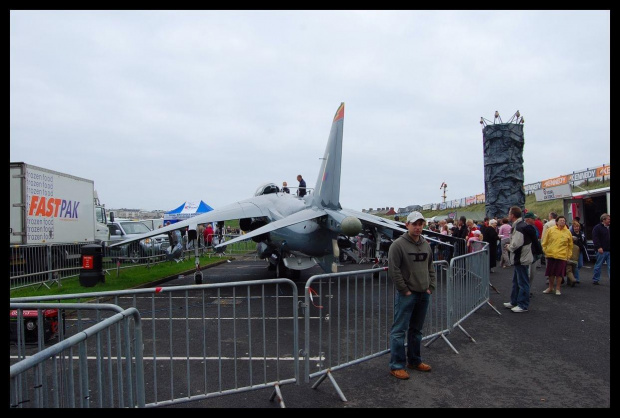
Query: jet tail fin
[327, 190]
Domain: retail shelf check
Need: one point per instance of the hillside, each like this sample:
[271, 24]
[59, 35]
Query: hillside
[539, 208]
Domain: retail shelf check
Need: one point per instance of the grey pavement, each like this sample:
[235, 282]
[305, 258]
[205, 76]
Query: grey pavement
[556, 355]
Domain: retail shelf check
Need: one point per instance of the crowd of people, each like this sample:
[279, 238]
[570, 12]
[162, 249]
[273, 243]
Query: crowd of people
[205, 237]
[524, 241]
[521, 241]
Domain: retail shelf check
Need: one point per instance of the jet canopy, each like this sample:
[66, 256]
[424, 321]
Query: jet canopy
[266, 188]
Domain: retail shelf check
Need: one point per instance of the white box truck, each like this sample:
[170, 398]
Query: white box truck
[54, 209]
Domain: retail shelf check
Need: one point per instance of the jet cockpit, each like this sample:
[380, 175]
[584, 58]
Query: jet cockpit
[266, 188]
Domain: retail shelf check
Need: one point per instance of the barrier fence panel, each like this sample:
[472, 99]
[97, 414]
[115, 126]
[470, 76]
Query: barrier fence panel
[349, 315]
[43, 264]
[203, 341]
[484, 246]
[48, 264]
[100, 366]
[347, 318]
[445, 246]
[436, 323]
[469, 285]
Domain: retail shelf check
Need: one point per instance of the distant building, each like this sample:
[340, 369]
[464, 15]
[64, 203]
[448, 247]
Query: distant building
[403, 212]
[137, 213]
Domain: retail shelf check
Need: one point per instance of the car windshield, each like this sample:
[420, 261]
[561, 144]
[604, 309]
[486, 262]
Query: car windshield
[135, 227]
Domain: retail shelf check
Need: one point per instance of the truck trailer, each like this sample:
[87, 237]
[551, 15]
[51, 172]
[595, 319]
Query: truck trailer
[52, 215]
[588, 205]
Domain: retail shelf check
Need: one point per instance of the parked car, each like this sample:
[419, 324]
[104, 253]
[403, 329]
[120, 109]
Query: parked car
[121, 230]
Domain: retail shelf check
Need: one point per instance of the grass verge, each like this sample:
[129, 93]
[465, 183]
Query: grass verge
[122, 279]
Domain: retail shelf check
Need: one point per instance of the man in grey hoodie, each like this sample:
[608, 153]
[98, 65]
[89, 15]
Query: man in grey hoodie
[410, 267]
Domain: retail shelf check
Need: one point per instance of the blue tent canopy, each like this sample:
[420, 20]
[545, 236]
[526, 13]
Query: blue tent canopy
[186, 211]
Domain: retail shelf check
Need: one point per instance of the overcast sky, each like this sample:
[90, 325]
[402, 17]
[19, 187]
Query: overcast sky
[160, 107]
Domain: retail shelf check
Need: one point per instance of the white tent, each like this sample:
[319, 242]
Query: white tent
[186, 211]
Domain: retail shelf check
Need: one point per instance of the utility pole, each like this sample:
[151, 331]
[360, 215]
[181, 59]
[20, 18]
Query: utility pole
[443, 186]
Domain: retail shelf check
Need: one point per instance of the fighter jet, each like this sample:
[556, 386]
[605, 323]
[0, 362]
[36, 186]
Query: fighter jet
[296, 233]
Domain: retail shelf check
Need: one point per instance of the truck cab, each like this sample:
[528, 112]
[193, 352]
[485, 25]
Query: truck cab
[102, 233]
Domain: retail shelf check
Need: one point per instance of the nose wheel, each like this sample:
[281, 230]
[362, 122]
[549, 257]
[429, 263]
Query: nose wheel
[198, 277]
[280, 269]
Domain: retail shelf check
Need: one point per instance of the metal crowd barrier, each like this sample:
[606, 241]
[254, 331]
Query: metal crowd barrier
[242, 247]
[49, 264]
[213, 340]
[349, 315]
[365, 250]
[347, 320]
[484, 246]
[445, 246]
[468, 288]
[46, 264]
[43, 264]
[98, 366]
[204, 341]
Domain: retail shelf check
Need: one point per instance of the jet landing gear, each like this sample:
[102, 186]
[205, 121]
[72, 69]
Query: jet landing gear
[281, 271]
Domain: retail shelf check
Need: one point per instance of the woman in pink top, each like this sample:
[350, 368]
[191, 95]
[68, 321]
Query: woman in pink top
[504, 230]
[504, 235]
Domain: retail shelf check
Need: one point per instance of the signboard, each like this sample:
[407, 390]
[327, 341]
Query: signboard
[577, 177]
[550, 193]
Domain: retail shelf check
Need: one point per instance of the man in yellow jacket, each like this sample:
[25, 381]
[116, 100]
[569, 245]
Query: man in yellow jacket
[557, 245]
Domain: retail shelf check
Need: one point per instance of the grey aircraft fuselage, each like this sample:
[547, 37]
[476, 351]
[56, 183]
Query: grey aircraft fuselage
[295, 233]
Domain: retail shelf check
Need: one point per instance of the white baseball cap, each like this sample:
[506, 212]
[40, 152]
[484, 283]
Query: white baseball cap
[414, 216]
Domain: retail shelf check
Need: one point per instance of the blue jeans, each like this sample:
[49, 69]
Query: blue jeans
[600, 259]
[579, 265]
[409, 316]
[520, 295]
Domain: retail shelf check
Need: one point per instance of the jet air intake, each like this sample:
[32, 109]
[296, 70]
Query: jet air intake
[351, 226]
[250, 224]
[337, 222]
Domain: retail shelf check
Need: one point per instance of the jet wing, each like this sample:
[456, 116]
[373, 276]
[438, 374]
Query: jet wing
[377, 221]
[238, 210]
[383, 224]
[295, 218]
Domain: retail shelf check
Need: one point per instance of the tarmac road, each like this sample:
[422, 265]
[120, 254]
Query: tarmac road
[556, 355]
